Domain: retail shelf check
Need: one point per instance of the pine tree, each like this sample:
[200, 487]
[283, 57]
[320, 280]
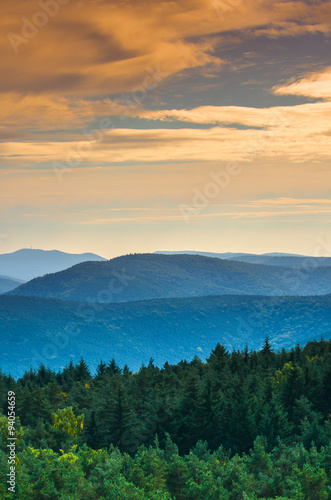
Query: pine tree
[82, 371]
[126, 372]
[32, 404]
[218, 357]
[177, 476]
[266, 354]
[67, 377]
[44, 376]
[116, 419]
[193, 412]
[236, 419]
[101, 370]
[90, 431]
[266, 349]
[273, 422]
[170, 447]
[325, 399]
[112, 368]
[293, 387]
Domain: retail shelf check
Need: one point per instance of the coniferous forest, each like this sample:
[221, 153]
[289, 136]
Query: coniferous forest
[242, 425]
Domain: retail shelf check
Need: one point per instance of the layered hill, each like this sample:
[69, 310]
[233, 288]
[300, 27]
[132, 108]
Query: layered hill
[50, 331]
[151, 276]
[269, 259]
[27, 263]
[7, 284]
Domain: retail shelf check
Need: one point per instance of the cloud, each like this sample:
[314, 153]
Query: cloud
[297, 133]
[276, 117]
[88, 50]
[203, 216]
[102, 48]
[290, 202]
[281, 207]
[292, 29]
[65, 78]
[35, 113]
[317, 85]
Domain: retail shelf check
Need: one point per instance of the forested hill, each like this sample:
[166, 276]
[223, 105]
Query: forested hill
[241, 426]
[35, 330]
[269, 259]
[7, 284]
[149, 276]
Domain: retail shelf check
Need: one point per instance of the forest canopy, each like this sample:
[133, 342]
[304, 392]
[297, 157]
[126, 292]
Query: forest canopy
[242, 425]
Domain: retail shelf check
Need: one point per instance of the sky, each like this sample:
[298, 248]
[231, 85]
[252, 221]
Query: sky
[136, 126]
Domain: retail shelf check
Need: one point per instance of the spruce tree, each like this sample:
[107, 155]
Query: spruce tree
[218, 357]
[116, 421]
[112, 368]
[82, 371]
[101, 370]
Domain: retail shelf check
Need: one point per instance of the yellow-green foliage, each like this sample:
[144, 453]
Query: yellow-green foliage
[282, 375]
[65, 420]
[19, 432]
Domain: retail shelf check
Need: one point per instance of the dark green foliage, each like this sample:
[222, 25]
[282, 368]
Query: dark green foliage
[82, 371]
[112, 368]
[101, 370]
[232, 428]
[293, 387]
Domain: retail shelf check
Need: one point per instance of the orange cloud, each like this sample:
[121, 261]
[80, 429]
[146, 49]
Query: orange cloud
[101, 47]
[194, 217]
[316, 85]
[311, 118]
[297, 133]
[92, 48]
[84, 50]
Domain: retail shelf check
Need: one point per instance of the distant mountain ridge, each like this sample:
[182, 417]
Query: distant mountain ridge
[26, 264]
[7, 284]
[269, 259]
[53, 332]
[153, 276]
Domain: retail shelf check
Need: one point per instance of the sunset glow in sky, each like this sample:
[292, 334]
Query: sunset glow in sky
[134, 126]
